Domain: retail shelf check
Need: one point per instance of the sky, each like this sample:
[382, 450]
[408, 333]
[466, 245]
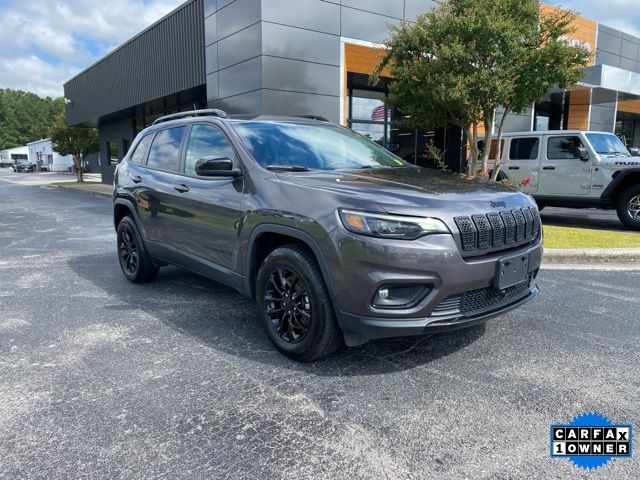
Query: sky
[44, 43]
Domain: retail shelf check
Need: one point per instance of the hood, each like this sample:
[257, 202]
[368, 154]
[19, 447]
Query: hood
[409, 191]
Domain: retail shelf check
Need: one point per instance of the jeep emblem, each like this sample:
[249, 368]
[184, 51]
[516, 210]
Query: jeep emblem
[499, 204]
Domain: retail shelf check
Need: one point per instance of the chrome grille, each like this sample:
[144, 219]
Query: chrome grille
[481, 232]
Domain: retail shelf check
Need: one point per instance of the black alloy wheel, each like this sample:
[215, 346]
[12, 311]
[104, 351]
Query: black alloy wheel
[128, 251]
[288, 305]
[294, 304]
[135, 261]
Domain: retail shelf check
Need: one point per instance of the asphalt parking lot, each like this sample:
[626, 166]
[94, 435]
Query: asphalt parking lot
[103, 379]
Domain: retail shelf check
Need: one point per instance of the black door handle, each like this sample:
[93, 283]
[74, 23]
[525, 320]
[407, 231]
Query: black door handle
[548, 168]
[181, 188]
[514, 168]
[136, 179]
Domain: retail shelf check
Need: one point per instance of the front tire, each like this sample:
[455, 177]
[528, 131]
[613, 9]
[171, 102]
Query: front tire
[628, 206]
[294, 305]
[135, 261]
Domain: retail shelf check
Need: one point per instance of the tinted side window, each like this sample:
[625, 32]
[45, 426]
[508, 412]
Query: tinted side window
[140, 153]
[165, 150]
[562, 148]
[206, 141]
[524, 148]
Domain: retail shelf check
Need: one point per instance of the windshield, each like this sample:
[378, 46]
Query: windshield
[607, 144]
[322, 147]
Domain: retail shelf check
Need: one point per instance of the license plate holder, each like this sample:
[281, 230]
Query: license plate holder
[512, 271]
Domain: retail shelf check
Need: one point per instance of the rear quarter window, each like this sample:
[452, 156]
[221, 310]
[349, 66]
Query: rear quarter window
[139, 155]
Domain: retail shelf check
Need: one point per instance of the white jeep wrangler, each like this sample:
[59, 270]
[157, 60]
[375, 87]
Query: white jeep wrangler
[575, 169]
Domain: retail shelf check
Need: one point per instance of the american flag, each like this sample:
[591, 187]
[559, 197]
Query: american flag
[378, 114]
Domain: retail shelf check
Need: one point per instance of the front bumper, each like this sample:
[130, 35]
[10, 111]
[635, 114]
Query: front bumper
[359, 330]
[461, 289]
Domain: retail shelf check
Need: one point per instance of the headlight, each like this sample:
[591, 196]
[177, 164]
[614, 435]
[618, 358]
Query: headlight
[390, 226]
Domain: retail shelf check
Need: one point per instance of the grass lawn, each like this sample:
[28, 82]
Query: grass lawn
[568, 237]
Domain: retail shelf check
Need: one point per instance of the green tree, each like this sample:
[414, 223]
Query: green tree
[462, 61]
[74, 141]
[25, 117]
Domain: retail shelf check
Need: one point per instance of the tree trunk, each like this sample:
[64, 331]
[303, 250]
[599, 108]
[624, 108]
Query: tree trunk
[496, 168]
[472, 137]
[488, 134]
[77, 161]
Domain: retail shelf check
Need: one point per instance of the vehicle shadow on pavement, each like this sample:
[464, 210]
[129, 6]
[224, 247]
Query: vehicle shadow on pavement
[221, 318]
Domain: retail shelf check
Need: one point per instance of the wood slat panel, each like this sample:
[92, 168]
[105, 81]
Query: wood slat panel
[629, 106]
[361, 59]
[579, 104]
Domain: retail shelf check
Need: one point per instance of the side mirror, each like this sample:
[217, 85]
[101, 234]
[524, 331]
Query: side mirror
[581, 153]
[635, 152]
[216, 167]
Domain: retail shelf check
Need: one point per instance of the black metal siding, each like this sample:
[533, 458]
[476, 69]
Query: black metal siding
[166, 58]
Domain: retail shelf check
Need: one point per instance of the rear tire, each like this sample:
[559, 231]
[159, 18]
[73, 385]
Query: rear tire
[294, 305]
[135, 261]
[628, 206]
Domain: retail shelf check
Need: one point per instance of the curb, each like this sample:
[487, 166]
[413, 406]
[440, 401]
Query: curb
[619, 256]
[82, 190]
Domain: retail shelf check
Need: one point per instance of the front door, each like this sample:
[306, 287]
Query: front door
[210, 207]
[563, 173]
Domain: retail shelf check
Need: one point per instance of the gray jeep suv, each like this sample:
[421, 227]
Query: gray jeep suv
[335, 237]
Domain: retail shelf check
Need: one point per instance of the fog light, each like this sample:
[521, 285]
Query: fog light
[400, 296]
[383, 293]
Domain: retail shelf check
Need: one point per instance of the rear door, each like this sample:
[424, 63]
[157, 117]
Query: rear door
[562, 172]
[523, 161]
[156, 199]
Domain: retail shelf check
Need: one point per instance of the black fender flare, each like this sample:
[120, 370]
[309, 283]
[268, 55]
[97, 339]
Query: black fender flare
[619, 179]
[129, 204]
[298, 235]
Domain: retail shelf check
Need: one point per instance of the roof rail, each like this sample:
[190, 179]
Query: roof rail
[212, 112]
[316, 117]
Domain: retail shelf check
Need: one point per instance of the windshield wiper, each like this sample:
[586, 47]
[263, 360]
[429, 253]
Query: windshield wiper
[376, 167]
[287, 168]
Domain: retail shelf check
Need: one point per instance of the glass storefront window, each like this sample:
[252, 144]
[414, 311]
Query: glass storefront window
[368, 115]
[368, 106]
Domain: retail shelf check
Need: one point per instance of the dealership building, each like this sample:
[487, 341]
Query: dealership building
[297, 57]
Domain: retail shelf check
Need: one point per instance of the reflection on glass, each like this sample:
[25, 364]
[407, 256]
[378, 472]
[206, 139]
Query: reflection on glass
[607, 144]
[324, 147]
[372, 131]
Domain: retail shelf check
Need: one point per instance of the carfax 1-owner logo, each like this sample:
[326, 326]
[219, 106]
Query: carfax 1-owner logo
[590, 440]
